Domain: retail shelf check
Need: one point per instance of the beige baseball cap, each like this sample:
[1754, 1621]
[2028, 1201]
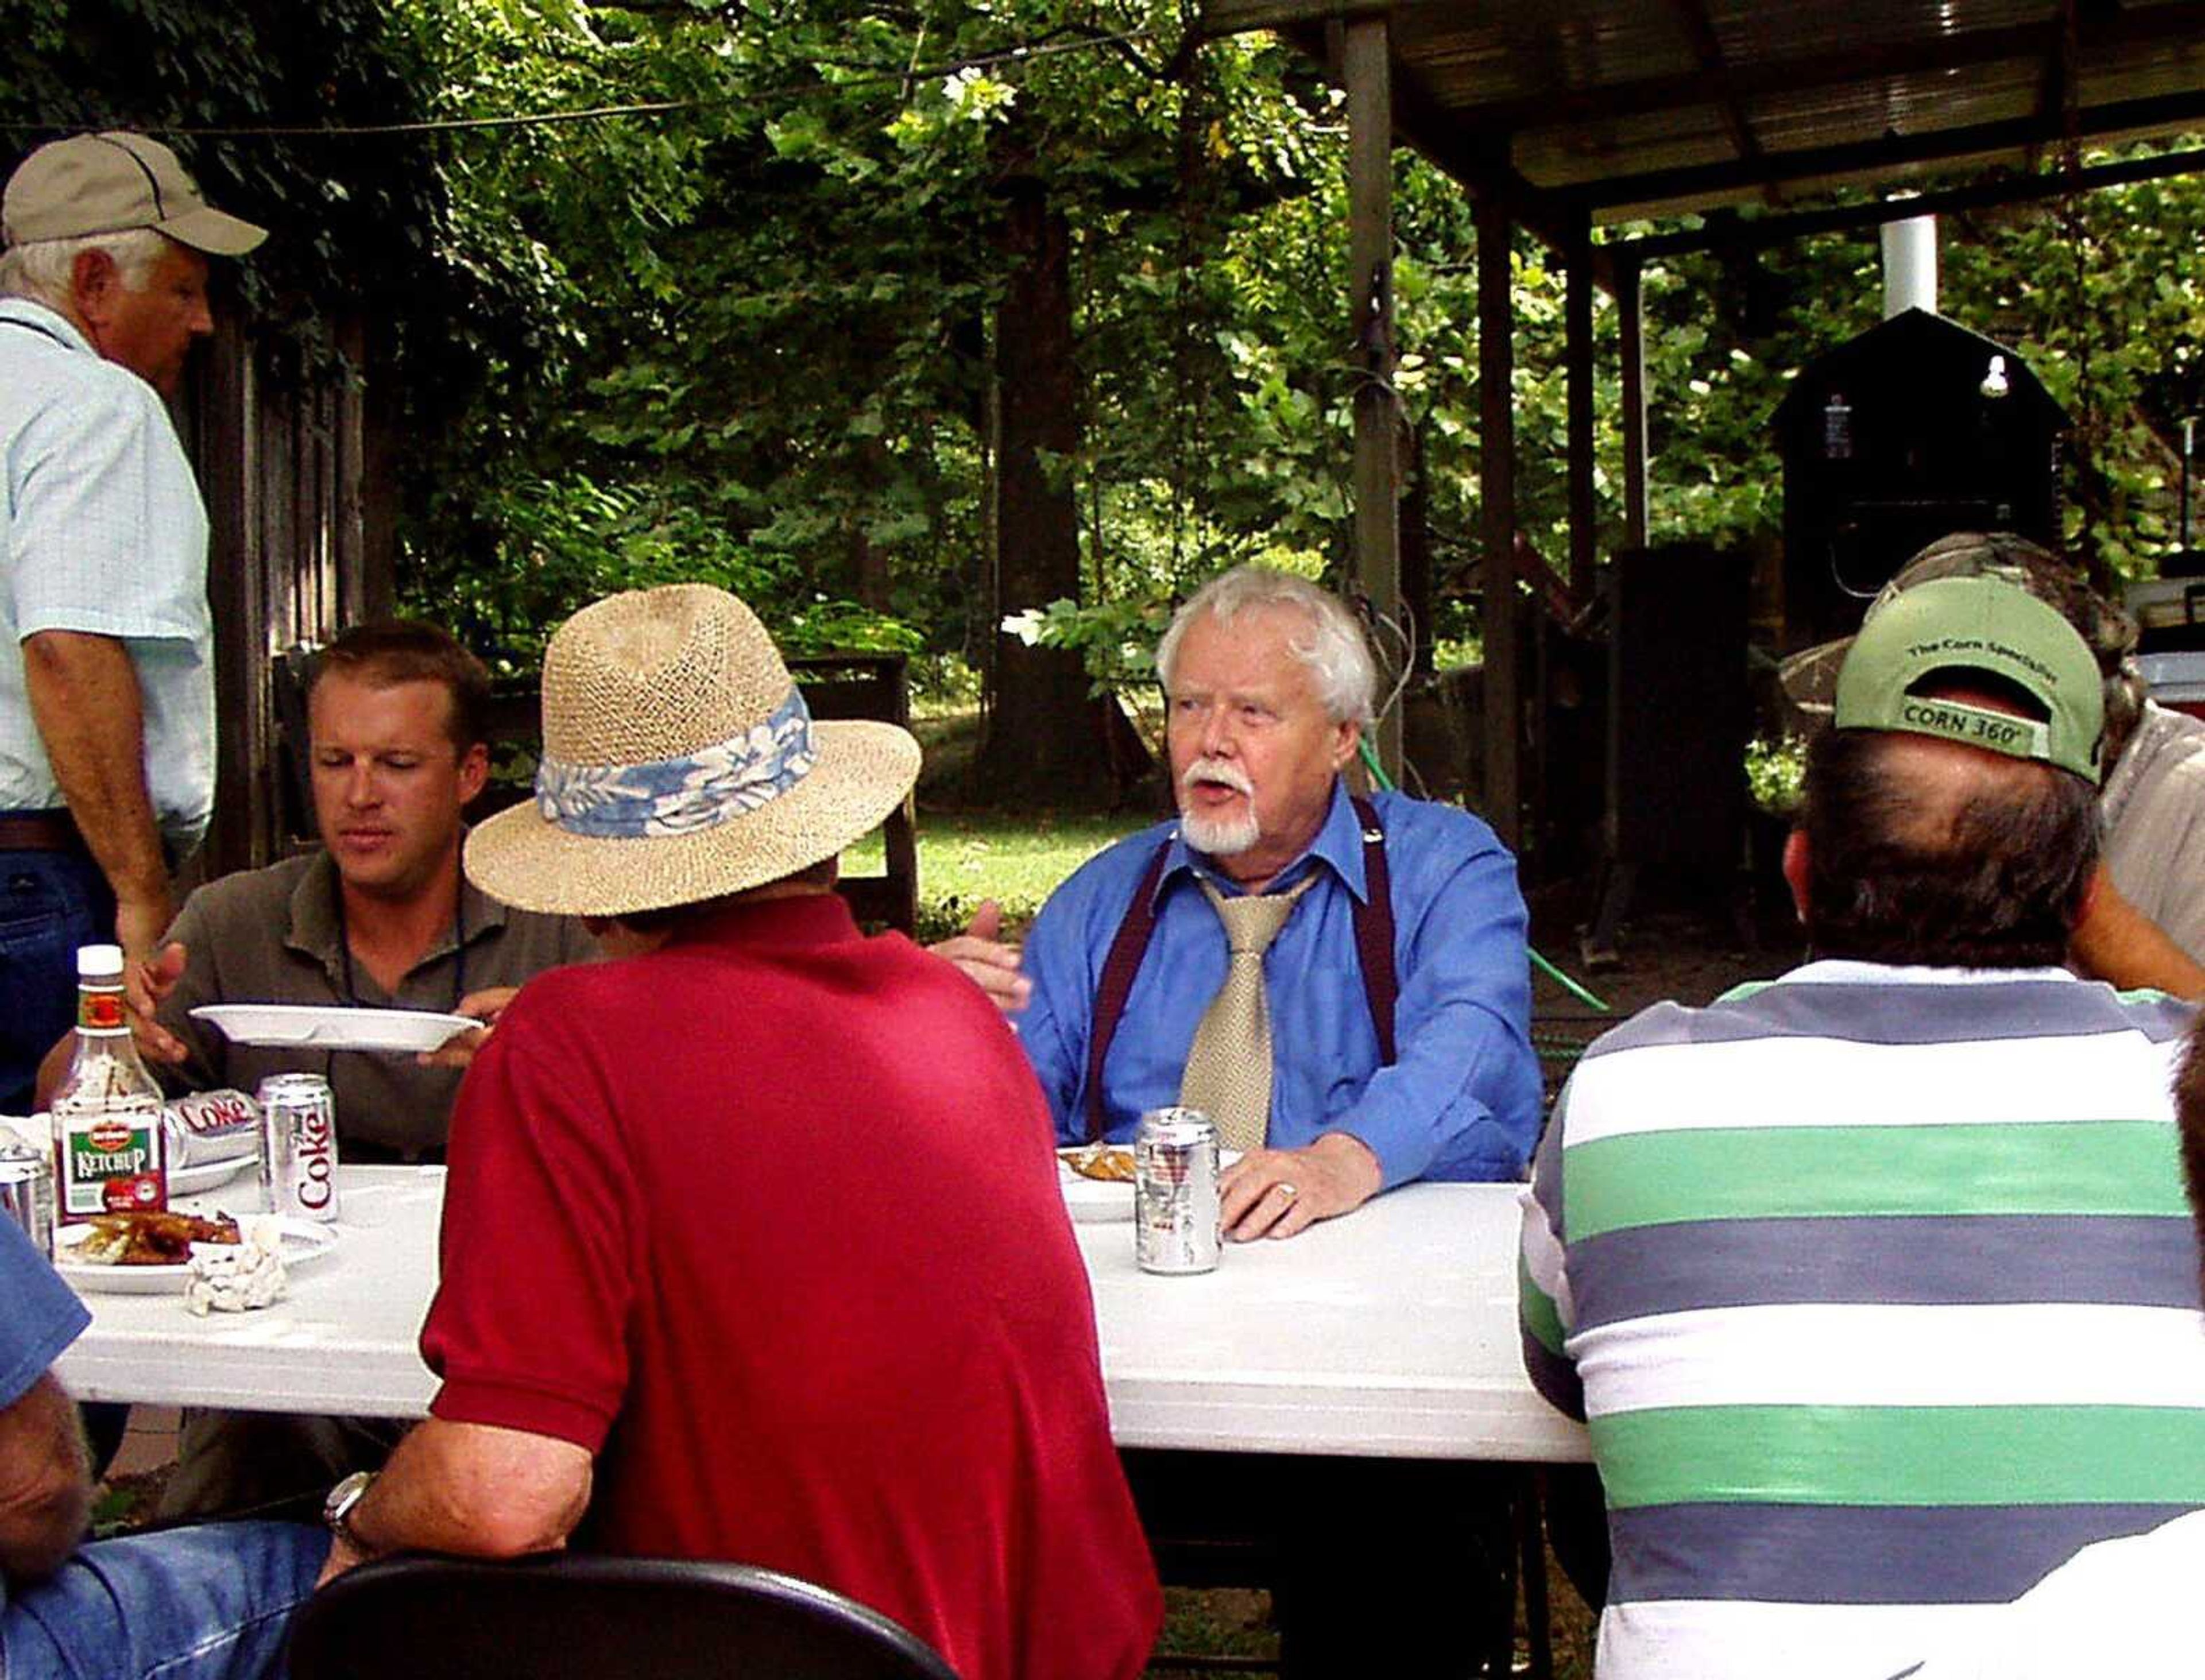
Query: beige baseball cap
[107, 183]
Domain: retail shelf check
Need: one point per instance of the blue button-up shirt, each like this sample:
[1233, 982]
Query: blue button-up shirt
[1462, 1100]
[44, 1315]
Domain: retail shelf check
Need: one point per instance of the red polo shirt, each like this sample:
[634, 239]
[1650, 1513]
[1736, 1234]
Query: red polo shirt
[768, 1221]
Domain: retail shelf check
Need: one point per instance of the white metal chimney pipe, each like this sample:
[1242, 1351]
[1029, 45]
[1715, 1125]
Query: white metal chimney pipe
[1910, 265]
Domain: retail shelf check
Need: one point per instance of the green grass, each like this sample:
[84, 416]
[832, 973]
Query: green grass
[1016, 858]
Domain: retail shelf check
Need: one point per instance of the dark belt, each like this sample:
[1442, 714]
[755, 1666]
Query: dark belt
[39, 831]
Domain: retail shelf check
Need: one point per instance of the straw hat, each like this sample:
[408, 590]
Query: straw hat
[679, 764]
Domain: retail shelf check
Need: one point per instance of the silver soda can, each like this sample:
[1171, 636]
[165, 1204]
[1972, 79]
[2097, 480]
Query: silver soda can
[1175, 1192]
[210, 1125]
[299, 1146]
[26, 1192]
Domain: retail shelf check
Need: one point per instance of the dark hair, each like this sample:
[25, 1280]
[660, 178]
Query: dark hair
[1991, 875]
[2190, 1115]
[390, 651]
[822, 874]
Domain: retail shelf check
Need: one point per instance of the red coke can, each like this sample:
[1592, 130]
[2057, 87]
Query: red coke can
[299, 1146]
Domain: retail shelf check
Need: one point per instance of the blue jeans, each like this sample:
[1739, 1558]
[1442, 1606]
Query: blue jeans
[210, 1603]
[50, 902]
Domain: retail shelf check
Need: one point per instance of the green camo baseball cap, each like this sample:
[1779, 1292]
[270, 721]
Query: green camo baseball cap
[1958, 625]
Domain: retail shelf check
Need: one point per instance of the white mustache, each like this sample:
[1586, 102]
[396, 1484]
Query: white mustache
[1222, 771]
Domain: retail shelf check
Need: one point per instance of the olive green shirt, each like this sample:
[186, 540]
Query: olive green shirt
[271, 935]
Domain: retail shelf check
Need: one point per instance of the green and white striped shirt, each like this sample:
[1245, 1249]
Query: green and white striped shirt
[1878, 1291]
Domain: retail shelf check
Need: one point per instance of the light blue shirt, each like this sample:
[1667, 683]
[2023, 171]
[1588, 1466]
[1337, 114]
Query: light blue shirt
[1461, 1100]
[103, 532]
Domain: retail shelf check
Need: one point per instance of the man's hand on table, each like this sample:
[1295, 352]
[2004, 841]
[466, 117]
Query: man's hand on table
[486, 1006]
[989, 963]
[1281, 1192]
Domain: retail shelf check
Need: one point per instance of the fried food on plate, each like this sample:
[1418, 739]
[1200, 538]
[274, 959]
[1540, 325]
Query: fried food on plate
[150, 1239]
[1113, 1162]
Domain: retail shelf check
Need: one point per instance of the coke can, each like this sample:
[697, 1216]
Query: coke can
[1175, 1214]
[210, 1125]
[26, 1192]
[299, 1146]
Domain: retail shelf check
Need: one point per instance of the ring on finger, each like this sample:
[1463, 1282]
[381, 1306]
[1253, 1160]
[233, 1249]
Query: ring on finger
[1285, 1189]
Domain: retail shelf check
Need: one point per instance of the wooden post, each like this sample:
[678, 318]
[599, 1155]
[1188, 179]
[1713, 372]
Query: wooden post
[1631, 340]
[369, 415]
[1578, 358]
[1496, 446]
[227, 447]
[1364, 67]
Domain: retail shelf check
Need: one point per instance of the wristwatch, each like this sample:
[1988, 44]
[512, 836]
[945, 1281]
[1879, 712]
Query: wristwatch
[343, 1500]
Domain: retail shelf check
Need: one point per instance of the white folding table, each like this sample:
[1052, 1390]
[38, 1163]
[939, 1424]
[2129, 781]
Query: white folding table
[1390, 1333]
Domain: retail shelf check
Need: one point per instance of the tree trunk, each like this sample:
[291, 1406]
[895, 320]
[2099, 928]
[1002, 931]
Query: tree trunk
[1045, 733]
[869, 563]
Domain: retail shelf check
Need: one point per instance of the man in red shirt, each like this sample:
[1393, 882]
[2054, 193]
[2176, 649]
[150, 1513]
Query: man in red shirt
[752, 1246]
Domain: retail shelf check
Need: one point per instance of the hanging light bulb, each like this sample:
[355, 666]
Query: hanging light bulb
[1995, 384]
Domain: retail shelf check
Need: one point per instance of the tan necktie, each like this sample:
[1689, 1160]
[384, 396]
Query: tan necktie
[1228, 1067]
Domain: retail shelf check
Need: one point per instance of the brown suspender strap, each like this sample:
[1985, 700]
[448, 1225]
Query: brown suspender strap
[1374, 950]
[1119, 969]
[1374, 930]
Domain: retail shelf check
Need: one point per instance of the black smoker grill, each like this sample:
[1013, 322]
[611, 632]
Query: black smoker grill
[1916, 429]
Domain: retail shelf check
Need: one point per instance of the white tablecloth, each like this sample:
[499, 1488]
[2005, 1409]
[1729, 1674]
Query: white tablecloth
[1391, 1333]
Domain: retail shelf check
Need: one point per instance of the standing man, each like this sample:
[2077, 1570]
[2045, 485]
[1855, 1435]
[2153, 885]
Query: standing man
[1388, 982]
[753, 1247]
[107, 730]
[1876, 1285]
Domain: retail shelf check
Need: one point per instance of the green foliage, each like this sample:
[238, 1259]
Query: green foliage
[744, 335]
[1116, 638]
[1776, 773]
[564, 543]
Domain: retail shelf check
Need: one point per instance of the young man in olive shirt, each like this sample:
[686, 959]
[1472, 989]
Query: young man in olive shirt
[380, 918]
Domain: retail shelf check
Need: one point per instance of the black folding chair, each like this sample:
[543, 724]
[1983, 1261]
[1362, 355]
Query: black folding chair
[572, 1617]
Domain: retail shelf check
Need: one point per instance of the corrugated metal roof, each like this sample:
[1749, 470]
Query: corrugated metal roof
[1623, 108]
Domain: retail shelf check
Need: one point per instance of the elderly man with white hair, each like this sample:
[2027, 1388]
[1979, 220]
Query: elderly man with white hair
[107, 731]
[1341, 981]
[1387, 979]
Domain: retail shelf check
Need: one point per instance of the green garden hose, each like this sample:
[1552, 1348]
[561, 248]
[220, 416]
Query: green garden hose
[1379, 777]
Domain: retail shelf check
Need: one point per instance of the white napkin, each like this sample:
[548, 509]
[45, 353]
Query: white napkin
[236, 1278]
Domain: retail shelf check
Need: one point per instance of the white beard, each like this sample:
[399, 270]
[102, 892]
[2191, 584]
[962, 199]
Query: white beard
[1219, 836]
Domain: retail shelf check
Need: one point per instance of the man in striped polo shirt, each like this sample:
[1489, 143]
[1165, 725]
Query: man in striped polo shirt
[1875, 1284]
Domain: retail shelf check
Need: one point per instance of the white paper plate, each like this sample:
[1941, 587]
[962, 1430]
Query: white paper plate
[304, 1241]
[331, 1028]
[190, 1180]
[1091, 1201]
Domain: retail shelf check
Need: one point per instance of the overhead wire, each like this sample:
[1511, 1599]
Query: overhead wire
[786, 93]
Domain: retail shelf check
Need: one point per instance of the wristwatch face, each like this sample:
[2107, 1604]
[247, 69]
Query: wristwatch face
[342, 1498]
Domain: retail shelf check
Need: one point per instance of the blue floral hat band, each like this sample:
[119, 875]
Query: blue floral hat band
[681, 796]
[679, 765]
